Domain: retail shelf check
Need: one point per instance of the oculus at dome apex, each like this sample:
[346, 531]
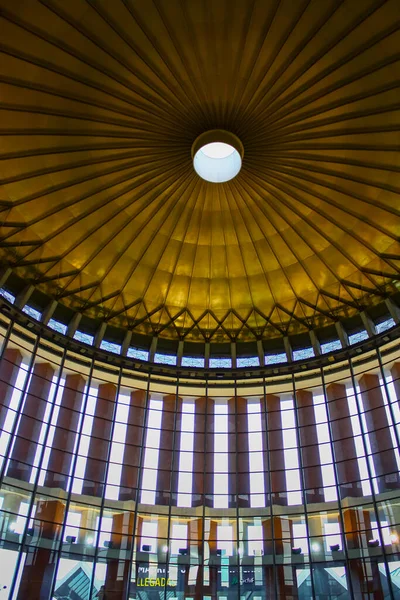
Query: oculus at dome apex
[217, 156]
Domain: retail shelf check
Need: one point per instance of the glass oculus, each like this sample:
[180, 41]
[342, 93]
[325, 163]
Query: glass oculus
[217, 155]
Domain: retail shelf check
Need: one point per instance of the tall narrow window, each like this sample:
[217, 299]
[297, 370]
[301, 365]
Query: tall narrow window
[57, 402]
[221, 497]
[12, 408]
[152, 450]
[185, 478]
[256, 459]
[390, 421]
[324, 447]
[83, 445]
[290, 452]
[394, 401]
[117, 447]
[358, 442]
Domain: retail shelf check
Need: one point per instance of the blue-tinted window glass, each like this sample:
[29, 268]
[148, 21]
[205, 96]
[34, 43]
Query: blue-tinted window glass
[57, 326]
[7, 295]
[274, 359]
[32, 312]
[303, 353]
[385, 325]
[354, 338]
[220, 363]
[165, 359]
[331, 346]
[139, 354]
[110, 347]
[192, 361]
[248, 361]
[84, 337]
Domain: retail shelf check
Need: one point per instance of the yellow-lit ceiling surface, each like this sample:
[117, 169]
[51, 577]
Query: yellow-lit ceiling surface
[101, 208]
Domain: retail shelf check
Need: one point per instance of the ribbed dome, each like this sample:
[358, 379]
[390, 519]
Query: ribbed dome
[102, 209]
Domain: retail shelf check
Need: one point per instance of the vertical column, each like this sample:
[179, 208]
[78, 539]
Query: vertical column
[117, 583]
[40, 564]
[65, 432]
[176, 451]
[395, 371]
[278, 540]
[276, 454]
[383, 453]
[311, 461]
[164, 473]
[95, 472]
[30, 424]
[212, 588]
[364, 575]
[203, 453]
[344, 449]
[9, 367]
[196, 559]
[133, 441]
[238, 453]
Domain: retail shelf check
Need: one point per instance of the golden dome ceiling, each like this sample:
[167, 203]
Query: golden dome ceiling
[101, 207]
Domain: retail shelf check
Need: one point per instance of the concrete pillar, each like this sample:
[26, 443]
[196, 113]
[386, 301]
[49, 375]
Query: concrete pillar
[166, 484]
[233, 355]
[315, 343]
[238, 453]
[4, 275]
[49, 311]
[153, 348]
[99, 335]
[179, 354]
[74, 324]
[368, 323]
[203, 453]
[288, 348]
[195, 547]
[133, 442]
[314, 487]
[364, 576]
[278, 540]
[260, 352]
[206, 355]
[9, 367]
[383, 453]
[28, 431]
[276, 456]
[395, 372]
[393, 309]
[99, 446]
[117, 583]
[23, 296]
[342, 334]
[344, 449]
[40, 565]
[126, 343]
[61, 453]
[265, 459]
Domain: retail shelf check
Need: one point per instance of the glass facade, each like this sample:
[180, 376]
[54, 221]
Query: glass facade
[122, 484]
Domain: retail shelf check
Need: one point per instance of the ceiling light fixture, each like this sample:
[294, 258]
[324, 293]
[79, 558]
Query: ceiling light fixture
[217, 155]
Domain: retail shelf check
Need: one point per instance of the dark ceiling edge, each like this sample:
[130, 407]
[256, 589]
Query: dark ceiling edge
[142, 369]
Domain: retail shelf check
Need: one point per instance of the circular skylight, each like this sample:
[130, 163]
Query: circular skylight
[217, 156]
[217, 150]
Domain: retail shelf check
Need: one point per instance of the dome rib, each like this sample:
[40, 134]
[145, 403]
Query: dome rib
[102, 210]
